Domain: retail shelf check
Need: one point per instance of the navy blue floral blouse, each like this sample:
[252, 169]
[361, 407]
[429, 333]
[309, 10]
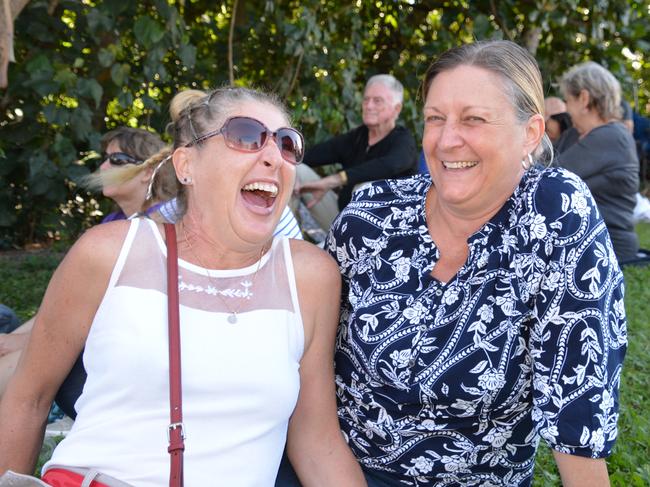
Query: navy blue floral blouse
[454, 383]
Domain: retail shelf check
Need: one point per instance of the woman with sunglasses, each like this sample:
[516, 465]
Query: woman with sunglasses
[124, 178]
[257, 338]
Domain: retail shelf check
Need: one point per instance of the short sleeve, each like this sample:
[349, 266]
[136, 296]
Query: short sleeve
[578, 336]
[336, 247]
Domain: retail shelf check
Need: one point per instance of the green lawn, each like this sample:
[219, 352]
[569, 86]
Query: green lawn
[23, 281]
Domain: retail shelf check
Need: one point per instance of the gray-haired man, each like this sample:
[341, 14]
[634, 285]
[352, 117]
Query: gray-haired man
[378, 149]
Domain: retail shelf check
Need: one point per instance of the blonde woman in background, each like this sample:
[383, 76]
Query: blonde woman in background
[123, 177]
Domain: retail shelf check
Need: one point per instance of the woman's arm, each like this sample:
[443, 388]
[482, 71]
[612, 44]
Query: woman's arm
[59, 334]
[578, 339]
[315, 444]
[578, 471]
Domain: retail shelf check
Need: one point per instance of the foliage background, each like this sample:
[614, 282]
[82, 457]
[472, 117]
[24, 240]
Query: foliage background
[85, 66]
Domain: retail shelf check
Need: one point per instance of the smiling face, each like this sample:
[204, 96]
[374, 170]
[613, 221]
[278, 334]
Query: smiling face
[473, 142]
[378, 108]
[242, 194]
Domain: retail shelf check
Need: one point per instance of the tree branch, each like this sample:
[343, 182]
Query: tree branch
[52, 6]
[295, 74]
[231, 35]
[9, 10]
[500, 23]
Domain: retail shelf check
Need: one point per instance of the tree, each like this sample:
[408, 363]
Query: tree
[96, 64]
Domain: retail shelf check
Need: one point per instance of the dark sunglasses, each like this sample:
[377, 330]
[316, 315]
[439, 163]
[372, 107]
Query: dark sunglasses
[246, 134]
[121, 158]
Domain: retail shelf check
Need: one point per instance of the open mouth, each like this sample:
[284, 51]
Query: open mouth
[459, 164]
[260, 194]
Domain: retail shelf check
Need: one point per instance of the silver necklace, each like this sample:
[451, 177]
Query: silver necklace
[232, 317]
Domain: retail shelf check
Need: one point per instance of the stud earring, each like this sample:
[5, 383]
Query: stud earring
[186, 180]
[527, 162]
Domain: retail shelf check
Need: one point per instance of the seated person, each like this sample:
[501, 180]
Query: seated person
[627, 117]
[378, 149]
[556, 117]
[605, 154]
[422, 164]
[8, 319]
[642, 138]
[553, 106]
[127, 180]
[257, 361]
[124, 178]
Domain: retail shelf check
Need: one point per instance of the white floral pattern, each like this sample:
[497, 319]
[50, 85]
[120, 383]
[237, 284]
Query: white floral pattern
[453, 384]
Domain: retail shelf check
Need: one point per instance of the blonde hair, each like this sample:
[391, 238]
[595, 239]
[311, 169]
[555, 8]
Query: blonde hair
[194, 113]
[144, 146]
[514, 65]
[603, 88]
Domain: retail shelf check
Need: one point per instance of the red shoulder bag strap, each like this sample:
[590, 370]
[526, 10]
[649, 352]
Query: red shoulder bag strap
[175, 433]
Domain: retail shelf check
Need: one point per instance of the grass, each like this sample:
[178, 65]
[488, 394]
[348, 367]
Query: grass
[23, 281]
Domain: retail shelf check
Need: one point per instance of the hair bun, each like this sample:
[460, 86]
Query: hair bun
[184, 100]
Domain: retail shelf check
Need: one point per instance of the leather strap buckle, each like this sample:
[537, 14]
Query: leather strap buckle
[174, 426]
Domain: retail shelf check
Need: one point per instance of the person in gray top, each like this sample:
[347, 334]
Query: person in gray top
[605, 155]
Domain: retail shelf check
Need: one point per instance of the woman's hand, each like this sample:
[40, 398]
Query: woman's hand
[12, 342]
[16, 340]
[318, 189]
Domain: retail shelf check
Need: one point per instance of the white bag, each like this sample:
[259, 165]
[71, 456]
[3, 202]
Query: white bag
[642, 209]
[13, 479]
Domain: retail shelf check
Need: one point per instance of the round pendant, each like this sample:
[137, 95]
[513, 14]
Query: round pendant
[232, 318]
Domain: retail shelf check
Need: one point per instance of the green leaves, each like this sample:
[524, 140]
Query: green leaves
[106, 57]
[147, 31]
[98, 21]
[119, 73]
[81, 122]
[65, 77]
[91, 66]
[187, 55]
[90, 88]
[42, 172]
[39, 66]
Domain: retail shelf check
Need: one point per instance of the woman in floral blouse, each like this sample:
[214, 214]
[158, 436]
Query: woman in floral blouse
[483, 304]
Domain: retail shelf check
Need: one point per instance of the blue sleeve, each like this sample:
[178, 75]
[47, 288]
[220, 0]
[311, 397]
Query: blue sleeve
[579, 336]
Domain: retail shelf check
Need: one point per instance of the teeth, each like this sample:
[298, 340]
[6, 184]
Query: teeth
[458, 164]
[266, 187]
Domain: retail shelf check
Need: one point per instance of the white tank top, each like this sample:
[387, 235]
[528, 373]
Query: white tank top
[240, 381]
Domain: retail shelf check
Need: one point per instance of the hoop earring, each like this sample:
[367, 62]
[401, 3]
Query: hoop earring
[153, 177]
